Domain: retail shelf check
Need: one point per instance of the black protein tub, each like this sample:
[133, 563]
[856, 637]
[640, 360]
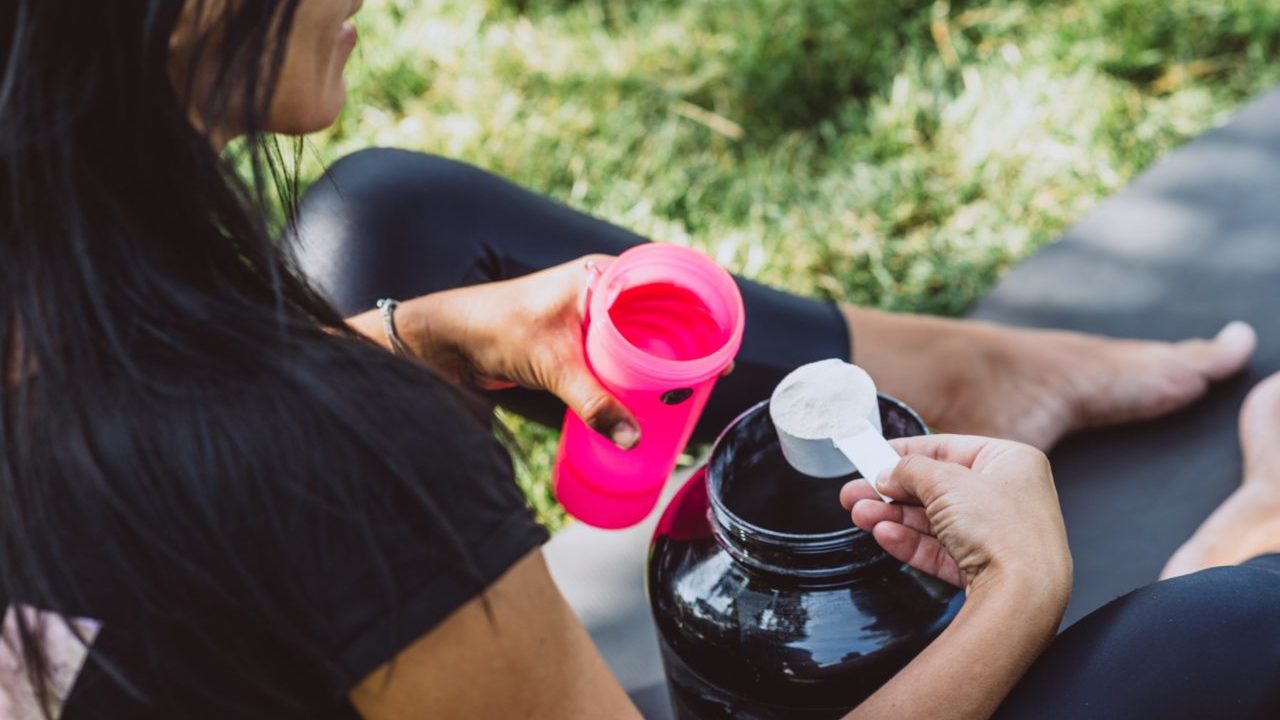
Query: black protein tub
[769, 603]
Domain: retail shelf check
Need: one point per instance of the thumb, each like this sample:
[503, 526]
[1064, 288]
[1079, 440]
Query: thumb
[602, 412]
[917, 478]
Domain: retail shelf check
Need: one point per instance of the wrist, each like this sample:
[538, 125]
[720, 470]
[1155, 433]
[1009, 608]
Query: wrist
[1042, 589]
[405, 328]
[421, 326]
[425, 327]
[413, 325]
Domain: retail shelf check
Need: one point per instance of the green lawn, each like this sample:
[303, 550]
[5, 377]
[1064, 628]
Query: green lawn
[895, 153]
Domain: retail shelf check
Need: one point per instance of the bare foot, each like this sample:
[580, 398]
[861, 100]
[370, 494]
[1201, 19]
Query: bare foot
[1035, 386]
[1247, 524]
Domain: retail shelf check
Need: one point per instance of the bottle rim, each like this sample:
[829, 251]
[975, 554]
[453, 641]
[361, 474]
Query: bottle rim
[801, 555]
[683, 266]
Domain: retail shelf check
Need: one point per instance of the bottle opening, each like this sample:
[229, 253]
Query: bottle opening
[667, 321]
[668, 313]
[759, 486]
[759, 492]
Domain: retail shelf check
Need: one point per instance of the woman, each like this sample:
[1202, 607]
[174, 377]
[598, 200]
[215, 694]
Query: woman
[245, 508]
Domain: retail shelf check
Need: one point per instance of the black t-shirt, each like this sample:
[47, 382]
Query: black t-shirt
[263, 565]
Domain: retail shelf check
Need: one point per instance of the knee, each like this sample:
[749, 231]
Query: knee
[1242, 596]
[1216, 611]
[378, 195]
[1185, 644]
[380, 177]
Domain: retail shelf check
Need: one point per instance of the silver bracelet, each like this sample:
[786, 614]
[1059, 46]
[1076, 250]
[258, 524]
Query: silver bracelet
[388, 308]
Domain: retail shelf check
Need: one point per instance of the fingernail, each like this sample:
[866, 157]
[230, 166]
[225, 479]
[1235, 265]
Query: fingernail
[625, 435]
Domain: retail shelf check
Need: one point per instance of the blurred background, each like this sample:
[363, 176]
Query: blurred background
[894, 153]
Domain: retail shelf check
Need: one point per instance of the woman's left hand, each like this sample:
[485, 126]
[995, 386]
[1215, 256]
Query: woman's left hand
[525, 332]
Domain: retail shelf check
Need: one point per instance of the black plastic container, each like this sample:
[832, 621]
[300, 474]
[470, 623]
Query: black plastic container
[769, 603]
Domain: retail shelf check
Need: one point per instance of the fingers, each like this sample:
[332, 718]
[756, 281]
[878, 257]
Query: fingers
[564, 371]
[602, 413]
[856, 490]
[903, 531]
[919, 550]
[920, 479]
[1225, 354]
[869, 513]
[588, 268]
[598, 409]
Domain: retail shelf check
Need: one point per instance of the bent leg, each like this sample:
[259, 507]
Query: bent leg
[1205, 645]
[393, 223]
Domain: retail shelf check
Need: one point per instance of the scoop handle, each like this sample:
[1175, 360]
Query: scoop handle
[870, 453]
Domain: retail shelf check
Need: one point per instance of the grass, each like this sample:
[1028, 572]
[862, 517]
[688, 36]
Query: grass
[895, 154]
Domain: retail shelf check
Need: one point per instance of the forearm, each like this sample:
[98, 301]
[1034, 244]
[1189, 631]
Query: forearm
[527, 332]
[966, 673]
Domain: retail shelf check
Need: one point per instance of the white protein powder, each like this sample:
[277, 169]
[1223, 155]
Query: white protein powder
[825, 399]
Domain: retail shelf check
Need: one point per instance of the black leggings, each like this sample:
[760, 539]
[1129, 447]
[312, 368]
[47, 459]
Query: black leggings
[390, 223]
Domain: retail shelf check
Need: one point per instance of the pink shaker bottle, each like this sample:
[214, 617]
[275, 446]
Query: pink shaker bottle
[662, 324]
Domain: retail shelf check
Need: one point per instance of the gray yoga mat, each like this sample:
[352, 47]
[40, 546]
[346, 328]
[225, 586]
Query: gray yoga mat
[1190, 245]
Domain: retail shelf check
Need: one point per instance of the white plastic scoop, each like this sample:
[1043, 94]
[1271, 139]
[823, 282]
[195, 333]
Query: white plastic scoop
[827, 415]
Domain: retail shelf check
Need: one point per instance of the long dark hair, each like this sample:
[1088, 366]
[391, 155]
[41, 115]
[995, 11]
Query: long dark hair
[156, 340]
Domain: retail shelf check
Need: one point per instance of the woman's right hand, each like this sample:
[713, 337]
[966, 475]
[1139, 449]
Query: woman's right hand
[976, 512]
[981, 514]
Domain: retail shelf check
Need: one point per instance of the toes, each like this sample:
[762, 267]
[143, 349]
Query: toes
[1259, 425]
[1265, 395]
[1224, 355]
